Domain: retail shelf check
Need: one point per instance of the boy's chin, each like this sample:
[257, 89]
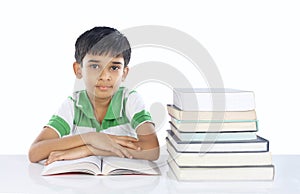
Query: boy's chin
[104, 94]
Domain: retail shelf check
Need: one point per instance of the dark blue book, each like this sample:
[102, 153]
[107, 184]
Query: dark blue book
[256, 145]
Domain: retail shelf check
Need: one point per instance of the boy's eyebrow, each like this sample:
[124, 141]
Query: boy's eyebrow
[98, 61]
[93, 61]
[116, 62]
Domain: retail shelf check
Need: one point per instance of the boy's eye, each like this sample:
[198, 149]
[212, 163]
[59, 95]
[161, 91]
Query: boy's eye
[115, 68]
[94, 66]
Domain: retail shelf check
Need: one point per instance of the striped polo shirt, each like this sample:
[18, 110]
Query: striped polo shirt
[125, 113]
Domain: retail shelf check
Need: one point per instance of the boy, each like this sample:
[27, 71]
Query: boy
[104, 119]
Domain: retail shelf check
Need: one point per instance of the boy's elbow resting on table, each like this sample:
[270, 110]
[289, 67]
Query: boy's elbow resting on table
[36, 153]
[150, 154]
[147, 153]
[155, 154]
[148, 143]
[33, 156]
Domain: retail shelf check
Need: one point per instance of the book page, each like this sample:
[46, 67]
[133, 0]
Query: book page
[118, 166]
[91, 165]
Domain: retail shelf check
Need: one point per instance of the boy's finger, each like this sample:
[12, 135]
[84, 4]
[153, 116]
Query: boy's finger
[49, 161]
[128, 138]
[128, 144]
[117, 151]
[131, 145]
[124, 152]
[54, 157]
[46, 162]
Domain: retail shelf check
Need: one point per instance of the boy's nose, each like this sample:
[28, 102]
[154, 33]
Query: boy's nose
[104, 75]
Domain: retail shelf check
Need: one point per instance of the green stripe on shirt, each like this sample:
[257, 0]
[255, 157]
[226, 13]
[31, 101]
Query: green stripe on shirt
[140, 117]
[60, 125]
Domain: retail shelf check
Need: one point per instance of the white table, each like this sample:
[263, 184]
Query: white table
[18, 175]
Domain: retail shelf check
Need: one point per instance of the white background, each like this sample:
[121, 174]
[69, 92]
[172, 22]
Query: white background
[255, 45]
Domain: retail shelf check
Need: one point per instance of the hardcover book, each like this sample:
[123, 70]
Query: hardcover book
[231, 173]
[214, 136]
[213, 126]
[209, 115]
[213, 99]
[219, 159]
[257, 145]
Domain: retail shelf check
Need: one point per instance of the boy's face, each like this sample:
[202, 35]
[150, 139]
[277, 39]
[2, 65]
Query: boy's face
[102, 75]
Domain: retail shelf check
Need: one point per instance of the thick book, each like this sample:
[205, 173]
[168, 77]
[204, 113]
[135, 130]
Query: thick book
[227, 173]
[214, 136]
[197, 116]
[213, 99]
[194, 126]
[257, 145]
[102, 166]
[219, 159]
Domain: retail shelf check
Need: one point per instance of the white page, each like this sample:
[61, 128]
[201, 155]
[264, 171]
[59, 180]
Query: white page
[126, 165]
[77, 165]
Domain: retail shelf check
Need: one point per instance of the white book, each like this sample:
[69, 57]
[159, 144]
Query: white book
[214, 136]
[196, 116]
[190, 126]
[219, 159]
[213, 99]
[102, 166]
[229, 173]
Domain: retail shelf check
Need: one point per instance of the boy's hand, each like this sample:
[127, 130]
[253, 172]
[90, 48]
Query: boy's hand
[111, 143]
[70, 154]
[105, 142]
[126, 141]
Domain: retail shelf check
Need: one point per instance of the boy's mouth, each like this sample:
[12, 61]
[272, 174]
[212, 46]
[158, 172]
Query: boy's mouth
[103, 88]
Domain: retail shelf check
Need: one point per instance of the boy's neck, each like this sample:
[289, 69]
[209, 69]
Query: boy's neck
[100, 108]
[101, 103]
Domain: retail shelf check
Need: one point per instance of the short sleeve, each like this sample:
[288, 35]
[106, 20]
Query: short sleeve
[62, 120]
[136, 111]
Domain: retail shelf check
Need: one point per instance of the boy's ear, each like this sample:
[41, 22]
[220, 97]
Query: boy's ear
[77, 70]
[125, 73]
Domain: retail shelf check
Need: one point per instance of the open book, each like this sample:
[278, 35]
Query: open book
[102, 166]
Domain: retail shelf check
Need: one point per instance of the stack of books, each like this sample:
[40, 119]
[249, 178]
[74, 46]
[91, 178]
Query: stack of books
[213, 136]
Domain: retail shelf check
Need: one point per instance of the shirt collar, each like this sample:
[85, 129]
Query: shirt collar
[114, 109]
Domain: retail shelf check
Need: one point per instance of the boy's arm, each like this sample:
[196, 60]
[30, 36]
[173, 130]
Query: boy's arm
[147, 144]
[147, 141]
[49, 141]
[75, 153]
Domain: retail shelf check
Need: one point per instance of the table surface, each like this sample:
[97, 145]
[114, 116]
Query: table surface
[18, 175]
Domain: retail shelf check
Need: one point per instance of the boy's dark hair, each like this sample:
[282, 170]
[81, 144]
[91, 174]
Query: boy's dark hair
[102, 41]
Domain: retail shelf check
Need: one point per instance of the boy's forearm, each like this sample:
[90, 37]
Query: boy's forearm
[75, 153]
[149, 154]
[97, 152]
[149, 145]
[49, 142]
[147, 141]
[41, 149]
